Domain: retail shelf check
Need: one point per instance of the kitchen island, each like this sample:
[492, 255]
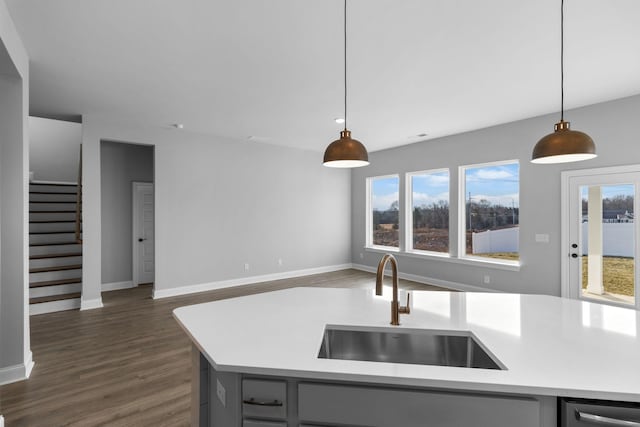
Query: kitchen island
[256, 359]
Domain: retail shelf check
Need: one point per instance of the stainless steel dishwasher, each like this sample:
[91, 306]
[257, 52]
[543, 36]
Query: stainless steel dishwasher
[592, 413]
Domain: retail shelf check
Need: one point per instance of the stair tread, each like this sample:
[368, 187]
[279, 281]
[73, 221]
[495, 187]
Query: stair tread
[55, 282]
[60, 255]
[72, 242]
[53, 232]
[50, 298]
[51, 221]
[55, 184]
[58, 202]
[56, 268]
[58, 211]
[52, 192]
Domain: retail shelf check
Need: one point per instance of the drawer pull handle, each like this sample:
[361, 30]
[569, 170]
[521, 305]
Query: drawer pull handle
[604, 421]
[252, 401]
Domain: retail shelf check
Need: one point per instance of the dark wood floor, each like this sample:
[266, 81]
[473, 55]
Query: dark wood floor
[127, 364]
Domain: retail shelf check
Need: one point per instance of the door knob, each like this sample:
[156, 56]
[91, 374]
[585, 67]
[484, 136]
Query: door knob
[574, 245]
[574, 255]
[141, 239]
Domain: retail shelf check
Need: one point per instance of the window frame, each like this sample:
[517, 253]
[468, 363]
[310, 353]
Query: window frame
[369, 219]
[408, 231]
[462, 214]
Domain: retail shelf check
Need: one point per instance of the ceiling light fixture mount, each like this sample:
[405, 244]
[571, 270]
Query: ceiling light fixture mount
[563, 145]
[345, 152]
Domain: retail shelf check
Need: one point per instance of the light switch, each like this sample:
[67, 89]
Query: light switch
[221, 392]
[542, 238]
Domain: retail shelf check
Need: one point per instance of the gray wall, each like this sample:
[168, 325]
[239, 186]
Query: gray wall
[222, 203]
[54, 149]
[15, 353]
[120, 165]
[11, 239]
[614, 126]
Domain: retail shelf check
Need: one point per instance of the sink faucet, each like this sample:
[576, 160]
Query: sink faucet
[396, 308]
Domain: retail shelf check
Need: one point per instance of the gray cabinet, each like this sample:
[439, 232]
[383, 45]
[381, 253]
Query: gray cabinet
[264, 400]
[386, 407]
[237, 400]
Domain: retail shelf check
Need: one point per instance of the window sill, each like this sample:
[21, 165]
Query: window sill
[382, 249]
[475, 261]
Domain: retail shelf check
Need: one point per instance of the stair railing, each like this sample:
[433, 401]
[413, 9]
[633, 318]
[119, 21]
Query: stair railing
[79, 200]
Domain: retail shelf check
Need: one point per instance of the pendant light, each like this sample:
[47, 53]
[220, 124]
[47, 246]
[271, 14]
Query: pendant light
[563, 145]
[345, 152]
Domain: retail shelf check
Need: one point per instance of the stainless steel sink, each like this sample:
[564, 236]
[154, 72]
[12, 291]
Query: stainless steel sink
[415, 346]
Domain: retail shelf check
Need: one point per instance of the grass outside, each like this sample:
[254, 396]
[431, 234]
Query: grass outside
[617, 274]
[510, 256]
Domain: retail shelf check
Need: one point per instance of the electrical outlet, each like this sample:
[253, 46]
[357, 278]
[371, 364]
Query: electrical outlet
[361, 255]
[280, 262]
[487, 279]
[246, 266]
[221, 392]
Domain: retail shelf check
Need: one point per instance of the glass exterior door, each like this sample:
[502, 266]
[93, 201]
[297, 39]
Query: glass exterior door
[603, 238]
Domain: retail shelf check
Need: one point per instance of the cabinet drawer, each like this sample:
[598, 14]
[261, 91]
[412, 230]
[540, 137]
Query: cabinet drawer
[264, 399]
[377, 407]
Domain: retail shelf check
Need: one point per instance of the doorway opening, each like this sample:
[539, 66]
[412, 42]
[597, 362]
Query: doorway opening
[127, 200]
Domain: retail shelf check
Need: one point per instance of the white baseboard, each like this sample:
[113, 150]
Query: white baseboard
[429, 280]
[54, 306]
[28, 364]
[211, 286]
[12, 374]
[114, 286]
[90, 304]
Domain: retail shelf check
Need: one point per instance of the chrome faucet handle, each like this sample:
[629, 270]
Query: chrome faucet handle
[406, 309]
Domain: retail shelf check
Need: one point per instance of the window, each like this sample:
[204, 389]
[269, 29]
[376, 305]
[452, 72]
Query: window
[428, 211]
[383, 212]
[489, 211]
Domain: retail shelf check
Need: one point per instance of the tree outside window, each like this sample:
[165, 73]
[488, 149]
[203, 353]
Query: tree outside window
[429, 211]
[385, 211]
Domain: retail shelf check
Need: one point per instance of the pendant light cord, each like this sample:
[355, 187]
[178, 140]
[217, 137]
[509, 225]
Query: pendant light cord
[561, 60]
[345, 64]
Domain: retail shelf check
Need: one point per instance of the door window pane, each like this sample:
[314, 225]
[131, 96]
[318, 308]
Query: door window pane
[607, 242]
[429, 211]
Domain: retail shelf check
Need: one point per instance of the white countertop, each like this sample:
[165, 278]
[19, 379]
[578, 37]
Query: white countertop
[549, 345]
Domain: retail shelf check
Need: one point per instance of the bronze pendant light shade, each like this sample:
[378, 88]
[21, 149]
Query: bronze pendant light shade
[563, 145]
[345, 152]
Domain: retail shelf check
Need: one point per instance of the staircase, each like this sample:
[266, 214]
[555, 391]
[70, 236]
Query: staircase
[55, 248]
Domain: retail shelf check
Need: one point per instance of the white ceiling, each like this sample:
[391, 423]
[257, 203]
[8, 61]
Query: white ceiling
[272, 69]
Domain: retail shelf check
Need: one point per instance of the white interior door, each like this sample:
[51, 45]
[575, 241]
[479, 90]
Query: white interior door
[600, 235]
[143, 233]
